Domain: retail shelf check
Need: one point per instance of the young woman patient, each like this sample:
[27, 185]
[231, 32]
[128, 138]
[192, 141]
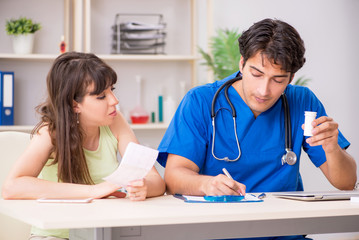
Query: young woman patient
[76, 142]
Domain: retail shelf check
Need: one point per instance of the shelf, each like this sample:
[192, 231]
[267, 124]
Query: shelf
[28, 128]
[9, 56]
[149, 126]
[83, 27]
[149, 57]
[17, 128]
[114, 57]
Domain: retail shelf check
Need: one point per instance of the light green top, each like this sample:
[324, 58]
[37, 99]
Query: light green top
[101, 163]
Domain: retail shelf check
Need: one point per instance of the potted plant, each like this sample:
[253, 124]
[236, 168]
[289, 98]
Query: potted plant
[224, 55]
[22, 31]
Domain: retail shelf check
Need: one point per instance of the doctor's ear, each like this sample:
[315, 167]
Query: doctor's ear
[241, 64]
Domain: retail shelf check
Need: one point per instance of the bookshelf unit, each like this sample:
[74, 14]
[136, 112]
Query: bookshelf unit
[83, 23]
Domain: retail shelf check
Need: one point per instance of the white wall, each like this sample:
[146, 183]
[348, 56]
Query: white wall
[330, 31]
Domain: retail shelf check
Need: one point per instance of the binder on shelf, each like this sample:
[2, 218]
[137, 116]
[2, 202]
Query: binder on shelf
[7, 98]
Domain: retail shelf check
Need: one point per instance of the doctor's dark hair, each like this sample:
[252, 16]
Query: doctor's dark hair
[275, 39]
[68, 82]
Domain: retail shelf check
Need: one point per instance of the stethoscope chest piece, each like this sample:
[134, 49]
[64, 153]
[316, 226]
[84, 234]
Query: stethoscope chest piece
[289, 157]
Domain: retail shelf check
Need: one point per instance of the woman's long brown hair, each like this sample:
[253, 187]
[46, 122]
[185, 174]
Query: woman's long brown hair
[68, 81]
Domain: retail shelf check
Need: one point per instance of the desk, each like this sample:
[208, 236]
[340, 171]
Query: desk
[158, 217]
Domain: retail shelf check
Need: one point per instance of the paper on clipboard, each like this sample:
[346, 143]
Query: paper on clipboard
[136, 163]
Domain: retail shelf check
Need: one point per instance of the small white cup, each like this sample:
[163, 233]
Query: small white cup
[309, 118]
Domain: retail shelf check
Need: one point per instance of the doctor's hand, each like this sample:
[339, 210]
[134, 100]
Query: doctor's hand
[137, 190]
[222, 185]
[325, 132]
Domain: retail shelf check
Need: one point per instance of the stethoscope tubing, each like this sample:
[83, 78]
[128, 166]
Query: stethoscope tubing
[228, 83]
[287, 123]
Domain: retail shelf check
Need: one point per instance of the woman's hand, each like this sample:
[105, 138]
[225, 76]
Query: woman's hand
[117, 194]
[106, 189]
[137, 190]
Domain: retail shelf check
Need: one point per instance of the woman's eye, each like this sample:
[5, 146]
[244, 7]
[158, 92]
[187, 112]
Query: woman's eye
[113, 88]
[101, 97]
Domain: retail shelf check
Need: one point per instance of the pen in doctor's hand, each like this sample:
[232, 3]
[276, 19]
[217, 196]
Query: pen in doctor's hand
[229, 176]
[227, 173]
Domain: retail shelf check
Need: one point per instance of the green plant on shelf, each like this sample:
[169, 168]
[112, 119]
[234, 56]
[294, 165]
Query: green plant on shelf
[21, 25]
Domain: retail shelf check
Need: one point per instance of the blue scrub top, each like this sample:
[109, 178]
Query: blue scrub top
[261, 139]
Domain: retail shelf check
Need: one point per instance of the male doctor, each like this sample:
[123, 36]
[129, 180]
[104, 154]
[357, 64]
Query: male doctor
[271, 53]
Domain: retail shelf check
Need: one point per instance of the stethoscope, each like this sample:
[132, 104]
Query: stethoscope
[289, 156]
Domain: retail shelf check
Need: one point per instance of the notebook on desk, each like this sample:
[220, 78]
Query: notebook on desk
[318, 196]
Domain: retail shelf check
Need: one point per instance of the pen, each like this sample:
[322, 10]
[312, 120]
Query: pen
[262, 195]
[227, 173]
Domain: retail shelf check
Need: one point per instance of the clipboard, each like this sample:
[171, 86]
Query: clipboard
[218, 199]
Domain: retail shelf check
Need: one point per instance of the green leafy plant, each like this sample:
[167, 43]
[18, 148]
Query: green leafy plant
[301, 81]
[223, 58]
[22, 25]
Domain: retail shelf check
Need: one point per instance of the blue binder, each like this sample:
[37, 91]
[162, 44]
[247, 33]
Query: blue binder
[7, 98]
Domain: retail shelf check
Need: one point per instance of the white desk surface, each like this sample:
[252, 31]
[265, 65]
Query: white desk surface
[324, 216]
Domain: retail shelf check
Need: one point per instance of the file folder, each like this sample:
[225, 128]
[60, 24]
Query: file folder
[7, 98]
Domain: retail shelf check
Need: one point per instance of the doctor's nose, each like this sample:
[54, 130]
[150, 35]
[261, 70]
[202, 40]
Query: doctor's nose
[263, 88]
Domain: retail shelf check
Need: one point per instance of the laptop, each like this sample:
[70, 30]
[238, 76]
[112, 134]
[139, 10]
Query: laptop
[318, 196]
